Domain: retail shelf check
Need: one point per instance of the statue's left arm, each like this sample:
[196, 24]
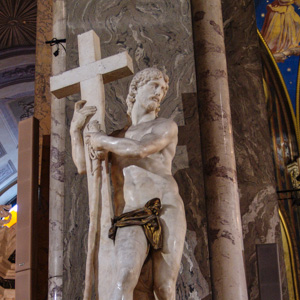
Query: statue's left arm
[162, 134]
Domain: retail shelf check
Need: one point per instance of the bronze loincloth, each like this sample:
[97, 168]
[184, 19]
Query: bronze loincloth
[148, 217]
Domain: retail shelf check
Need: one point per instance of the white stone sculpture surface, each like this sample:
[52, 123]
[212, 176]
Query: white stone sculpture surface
[141, 158]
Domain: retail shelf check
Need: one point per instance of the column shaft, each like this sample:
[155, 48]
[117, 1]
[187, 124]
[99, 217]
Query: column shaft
[223, 209]
[56, 205]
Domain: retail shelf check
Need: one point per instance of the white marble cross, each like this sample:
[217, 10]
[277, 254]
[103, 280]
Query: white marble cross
[89, 79]
[92, 73]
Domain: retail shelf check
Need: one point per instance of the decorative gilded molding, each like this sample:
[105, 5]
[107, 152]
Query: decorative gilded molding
[4, 213]
[7, 248]
[293, 170]
[28, 109]
[267, 54]
[291, 253]
[7, 294]
[7, 264]
[19, 72]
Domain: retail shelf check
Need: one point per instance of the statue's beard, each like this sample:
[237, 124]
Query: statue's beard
[151, 107]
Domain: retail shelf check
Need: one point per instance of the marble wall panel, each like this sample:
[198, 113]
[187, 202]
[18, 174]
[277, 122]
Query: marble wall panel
[252, 141]
[155, 33]
[191, 187]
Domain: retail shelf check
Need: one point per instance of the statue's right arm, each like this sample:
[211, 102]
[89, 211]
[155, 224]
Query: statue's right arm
[78, 149]
[155, 141]
[80, 117]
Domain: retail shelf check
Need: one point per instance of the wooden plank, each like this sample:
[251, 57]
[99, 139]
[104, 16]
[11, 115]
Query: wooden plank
[43, 223]
[26, 245]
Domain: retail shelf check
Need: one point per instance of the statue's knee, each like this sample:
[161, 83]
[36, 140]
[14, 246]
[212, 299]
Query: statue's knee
[127, 278]
[166, 291]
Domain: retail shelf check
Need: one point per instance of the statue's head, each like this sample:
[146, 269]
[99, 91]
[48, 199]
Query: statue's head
[140, 79]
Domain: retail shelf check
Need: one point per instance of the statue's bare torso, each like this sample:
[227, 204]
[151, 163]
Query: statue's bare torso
[141, 179]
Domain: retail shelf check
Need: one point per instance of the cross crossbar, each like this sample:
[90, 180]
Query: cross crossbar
[111, 68]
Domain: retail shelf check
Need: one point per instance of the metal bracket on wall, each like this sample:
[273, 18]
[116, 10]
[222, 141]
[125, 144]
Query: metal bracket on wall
[56, 42]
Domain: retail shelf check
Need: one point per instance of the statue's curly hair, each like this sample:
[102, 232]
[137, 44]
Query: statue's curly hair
[139, 80]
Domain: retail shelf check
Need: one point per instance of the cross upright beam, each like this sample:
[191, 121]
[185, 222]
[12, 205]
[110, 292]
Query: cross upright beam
[89, 79]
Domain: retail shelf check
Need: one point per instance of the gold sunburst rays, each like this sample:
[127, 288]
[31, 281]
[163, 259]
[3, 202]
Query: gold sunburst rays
[17, 23]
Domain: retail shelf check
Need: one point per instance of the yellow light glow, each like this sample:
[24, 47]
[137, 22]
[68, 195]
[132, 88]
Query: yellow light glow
[13, 219]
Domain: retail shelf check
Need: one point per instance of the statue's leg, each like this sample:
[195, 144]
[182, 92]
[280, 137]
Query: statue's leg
[144, 288]
[166, 262]
[131, 252]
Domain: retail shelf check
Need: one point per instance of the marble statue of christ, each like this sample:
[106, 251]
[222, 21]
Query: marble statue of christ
[141, 158]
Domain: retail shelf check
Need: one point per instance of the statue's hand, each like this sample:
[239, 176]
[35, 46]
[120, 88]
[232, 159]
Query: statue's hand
[81, 114]
[94, 126]
[93, 137]
[93, 140]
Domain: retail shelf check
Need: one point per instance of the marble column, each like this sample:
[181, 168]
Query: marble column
[56, 209]
[222, 198]
[42, 96]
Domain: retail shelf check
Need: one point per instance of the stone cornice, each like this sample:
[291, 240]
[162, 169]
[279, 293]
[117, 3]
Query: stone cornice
[16, 75]
[16, 51]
